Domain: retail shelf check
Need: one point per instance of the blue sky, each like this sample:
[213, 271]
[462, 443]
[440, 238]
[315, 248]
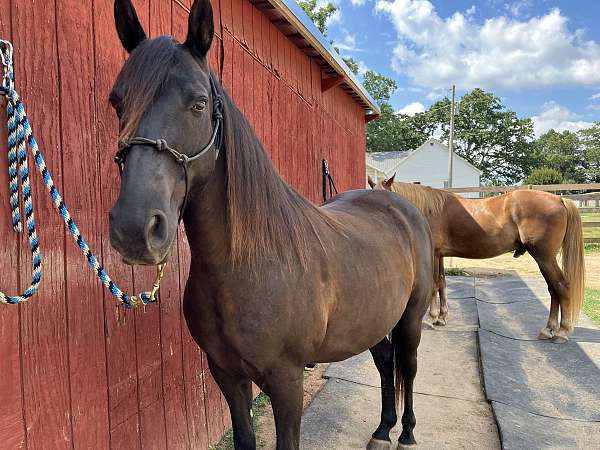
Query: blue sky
[542, 57]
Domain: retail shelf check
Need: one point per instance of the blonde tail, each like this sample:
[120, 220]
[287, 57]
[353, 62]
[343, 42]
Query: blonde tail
[573, 262]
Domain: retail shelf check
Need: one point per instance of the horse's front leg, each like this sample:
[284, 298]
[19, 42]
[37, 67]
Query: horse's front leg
[238, 393]
[442, 319]
[284, 388]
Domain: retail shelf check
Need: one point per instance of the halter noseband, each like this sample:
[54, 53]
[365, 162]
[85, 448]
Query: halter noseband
[181, 159]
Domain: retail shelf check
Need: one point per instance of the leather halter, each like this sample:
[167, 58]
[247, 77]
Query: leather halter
[183, 160]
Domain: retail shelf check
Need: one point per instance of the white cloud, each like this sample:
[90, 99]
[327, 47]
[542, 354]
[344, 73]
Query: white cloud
[558, 118]
[518, 8]
[362, 68]
[348, 42]
[595, 96]
[358, 2]
[500, 53]
[412, 108]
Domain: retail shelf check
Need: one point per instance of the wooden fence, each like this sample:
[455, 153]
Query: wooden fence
[587, 202]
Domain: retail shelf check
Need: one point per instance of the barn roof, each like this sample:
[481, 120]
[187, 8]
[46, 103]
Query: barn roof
[297, 26]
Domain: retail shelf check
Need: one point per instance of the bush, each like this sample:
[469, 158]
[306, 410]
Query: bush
[544, 175]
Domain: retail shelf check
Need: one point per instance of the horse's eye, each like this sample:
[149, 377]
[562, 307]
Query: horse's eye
[199, 106]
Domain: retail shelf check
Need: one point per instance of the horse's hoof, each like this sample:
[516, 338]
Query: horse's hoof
[378, 444]
[560, 339]
[402, 446]
[427, 325]
[440, 322]
[546, 333]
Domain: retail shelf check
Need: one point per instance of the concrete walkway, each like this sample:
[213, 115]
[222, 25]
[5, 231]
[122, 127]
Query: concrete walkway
[542, 395]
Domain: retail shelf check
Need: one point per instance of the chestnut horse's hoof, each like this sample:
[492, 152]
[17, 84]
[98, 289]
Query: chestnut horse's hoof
[560, 339]
[378, 444]
[546, 333]
[440, 322]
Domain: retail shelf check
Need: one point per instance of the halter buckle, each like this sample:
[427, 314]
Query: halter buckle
[6, 54]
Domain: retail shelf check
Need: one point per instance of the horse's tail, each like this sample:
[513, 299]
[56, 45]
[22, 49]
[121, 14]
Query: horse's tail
[399, 379]
[573, 262]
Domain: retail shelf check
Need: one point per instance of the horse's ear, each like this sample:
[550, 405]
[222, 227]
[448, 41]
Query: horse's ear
[390, 180]
[200, 28]
[128, 25]
[371, 182]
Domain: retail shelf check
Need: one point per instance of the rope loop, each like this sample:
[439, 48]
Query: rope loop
[21, 138]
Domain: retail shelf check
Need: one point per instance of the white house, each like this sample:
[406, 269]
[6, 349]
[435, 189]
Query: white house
[426, 165]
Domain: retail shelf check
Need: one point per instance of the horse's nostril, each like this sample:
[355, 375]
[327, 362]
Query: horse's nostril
[156, 230]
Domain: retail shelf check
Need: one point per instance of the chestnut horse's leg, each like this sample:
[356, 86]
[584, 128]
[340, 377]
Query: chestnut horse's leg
[383, 355]
[557, 286]
[238, 393]
[443, 295]
[434, 307]
[284, 388]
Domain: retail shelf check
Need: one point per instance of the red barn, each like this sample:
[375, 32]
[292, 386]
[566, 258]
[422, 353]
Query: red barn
[73, 374]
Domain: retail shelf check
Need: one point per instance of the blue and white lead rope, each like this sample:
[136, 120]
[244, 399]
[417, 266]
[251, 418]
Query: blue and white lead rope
[20, 136]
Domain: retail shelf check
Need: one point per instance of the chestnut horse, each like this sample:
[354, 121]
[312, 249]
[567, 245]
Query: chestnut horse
[275, 282]
[521, 221]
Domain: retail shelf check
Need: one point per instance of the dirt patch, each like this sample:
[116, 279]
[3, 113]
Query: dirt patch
[265, 425]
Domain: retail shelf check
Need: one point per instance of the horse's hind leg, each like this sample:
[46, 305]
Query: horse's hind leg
[383, 356]
[557, 287]
[406, 337]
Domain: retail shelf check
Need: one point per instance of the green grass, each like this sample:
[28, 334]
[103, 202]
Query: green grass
[454, 272]
[592, 248]
[259, 405]
[591, 304]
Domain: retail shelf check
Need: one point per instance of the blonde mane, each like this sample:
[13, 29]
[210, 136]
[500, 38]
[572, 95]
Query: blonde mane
[429, 200]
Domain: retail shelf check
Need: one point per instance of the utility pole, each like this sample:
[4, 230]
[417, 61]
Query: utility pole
[451, 140]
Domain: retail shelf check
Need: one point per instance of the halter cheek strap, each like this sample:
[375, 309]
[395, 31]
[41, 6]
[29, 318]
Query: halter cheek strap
[180, 158]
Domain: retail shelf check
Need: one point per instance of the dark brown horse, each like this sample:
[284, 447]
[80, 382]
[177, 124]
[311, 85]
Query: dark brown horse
[521, 221]
[275, 282]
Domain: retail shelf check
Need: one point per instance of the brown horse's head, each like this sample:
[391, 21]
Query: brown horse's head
[386, 183]
[164, 95]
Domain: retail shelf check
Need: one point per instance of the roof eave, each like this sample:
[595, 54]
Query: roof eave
[292, 12]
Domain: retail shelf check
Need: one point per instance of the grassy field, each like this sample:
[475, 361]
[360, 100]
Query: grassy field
[591, 232]
[591, 306]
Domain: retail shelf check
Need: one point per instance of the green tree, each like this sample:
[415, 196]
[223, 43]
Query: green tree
[544, 175]
[379, 86]
[392, 131]
[590, 142]
[352, 65]
[319, 15]
[487, 135]
[563, 152]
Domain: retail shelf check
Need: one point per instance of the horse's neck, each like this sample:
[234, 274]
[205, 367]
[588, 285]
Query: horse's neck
[206, 220]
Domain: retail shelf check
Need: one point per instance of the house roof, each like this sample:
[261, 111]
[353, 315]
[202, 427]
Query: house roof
[388, 162]
[297, 26]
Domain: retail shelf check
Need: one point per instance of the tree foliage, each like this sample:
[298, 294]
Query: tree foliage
[562, 152]
[545, 175]
[319, 15]
[590, 143]
[488, 135]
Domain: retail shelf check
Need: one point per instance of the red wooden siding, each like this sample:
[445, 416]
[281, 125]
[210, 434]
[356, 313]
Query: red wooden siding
[73, 372]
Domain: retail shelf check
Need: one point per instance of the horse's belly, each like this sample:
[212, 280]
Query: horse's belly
[352, 332]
